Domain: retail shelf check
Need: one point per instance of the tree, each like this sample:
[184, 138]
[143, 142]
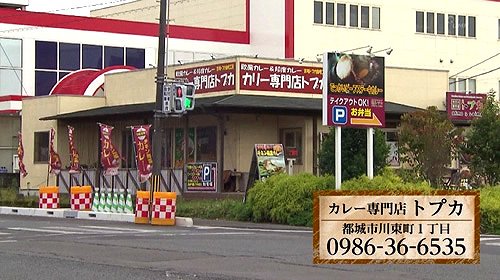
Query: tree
[425, 143]
[483, 142]
[353, 152]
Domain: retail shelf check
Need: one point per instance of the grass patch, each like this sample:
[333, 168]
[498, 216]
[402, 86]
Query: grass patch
[225, 209]
[490, 209]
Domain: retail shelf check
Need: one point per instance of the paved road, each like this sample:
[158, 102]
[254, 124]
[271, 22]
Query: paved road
[50, 248]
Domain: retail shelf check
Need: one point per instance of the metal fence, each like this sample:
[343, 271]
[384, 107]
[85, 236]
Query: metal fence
[126, 179]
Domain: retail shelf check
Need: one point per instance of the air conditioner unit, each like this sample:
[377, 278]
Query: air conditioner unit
[15, 163]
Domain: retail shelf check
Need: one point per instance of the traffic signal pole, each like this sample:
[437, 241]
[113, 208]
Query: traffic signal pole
[161, 68]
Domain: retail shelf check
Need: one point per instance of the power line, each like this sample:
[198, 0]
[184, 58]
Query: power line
[89, 6]
[471, 77]
[475, 65]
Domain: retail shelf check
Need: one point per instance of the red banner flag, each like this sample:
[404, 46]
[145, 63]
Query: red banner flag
[110, 158]
[74, 157]
[20, 155]
[143, 157]
[54, 159]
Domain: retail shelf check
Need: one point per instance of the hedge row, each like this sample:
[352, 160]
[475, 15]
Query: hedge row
[288, 199]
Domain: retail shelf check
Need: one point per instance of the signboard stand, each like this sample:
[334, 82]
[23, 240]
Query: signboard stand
[353, 95]
[338, 157]
[252, 175]
[369, 152]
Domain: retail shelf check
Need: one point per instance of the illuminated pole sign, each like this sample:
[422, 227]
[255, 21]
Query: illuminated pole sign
[354, 94]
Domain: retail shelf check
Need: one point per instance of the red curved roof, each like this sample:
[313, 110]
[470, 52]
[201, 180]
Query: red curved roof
[77, 82]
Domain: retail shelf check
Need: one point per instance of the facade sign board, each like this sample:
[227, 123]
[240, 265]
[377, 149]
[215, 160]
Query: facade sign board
[210, 78]
[281, 78]
[202, 176]
[354, 94]
[464, 107]
[378, 227]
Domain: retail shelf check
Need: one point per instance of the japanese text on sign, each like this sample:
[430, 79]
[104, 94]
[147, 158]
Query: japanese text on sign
[380, 227]
[210, 78]
[270, 77]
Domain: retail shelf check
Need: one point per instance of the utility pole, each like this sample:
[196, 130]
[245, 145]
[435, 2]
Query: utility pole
[160, 80]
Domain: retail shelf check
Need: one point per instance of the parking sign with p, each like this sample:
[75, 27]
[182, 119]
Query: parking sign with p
[339, 114]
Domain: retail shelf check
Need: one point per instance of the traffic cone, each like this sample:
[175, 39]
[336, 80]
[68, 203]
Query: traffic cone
[102, 202]
[95, 202]
[109, 203]
[114, 203]
[129, 208]
[121, 203]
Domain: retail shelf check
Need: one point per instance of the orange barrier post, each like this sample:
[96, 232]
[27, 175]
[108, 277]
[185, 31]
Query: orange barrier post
[81, 198]
[48, 197]
[142, 207]
[163, 212]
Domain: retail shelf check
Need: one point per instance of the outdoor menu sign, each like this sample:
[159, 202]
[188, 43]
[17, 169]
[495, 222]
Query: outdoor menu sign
[202, 176]
[210, 78]
[283, 78]
[464, 107]
[354, 94]
[267, 160]
[379, 227]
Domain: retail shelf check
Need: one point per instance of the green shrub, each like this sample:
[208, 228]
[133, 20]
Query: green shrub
[229, 209]
[286, 199]
[490, 209]
[388, 180]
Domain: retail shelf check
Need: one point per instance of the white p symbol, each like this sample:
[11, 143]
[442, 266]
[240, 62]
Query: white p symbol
[339, 115]
[206, 173]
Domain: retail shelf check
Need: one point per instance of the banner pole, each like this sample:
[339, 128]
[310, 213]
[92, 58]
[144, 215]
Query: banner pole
[338, 163]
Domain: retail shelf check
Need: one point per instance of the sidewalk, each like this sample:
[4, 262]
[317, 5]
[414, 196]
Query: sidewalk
[88, 215]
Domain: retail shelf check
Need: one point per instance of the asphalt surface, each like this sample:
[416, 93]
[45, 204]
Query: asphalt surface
[57, 248]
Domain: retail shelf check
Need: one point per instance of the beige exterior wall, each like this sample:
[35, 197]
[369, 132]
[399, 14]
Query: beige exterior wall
[227, 14]
[131, 87]
[416, 87]
[39, 107]
[9, 126]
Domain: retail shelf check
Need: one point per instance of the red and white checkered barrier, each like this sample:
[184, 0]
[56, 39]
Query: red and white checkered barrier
[81, 201]
[164, 208]
[142, 207]
[163, 212]
[48, 198]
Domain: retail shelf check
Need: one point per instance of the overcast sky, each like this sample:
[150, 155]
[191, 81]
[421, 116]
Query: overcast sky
[71, 7]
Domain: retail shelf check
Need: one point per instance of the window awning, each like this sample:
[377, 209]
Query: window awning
[229, 103]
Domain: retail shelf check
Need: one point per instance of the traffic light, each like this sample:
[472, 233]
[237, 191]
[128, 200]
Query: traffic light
[166, 99]
[189, 96]
[178, 92]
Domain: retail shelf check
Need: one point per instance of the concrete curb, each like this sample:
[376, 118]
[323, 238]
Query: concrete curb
[85, 215]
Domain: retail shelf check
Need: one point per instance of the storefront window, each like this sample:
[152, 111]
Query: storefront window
[291, 139]
[41, 147]
[206, 143]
